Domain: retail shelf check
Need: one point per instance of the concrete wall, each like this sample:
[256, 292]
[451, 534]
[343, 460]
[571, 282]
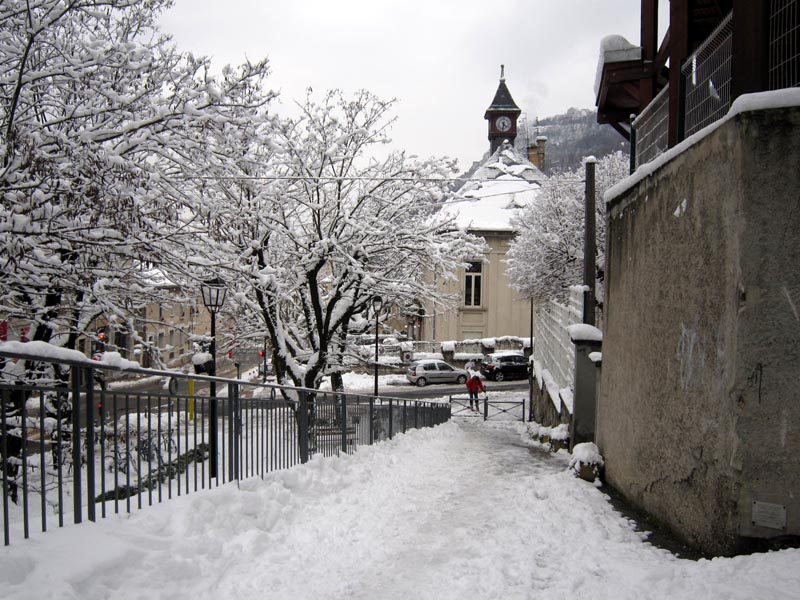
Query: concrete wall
[699, 411]
[548, 411]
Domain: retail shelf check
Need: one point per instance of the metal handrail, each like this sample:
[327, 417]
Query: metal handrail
[74, 442]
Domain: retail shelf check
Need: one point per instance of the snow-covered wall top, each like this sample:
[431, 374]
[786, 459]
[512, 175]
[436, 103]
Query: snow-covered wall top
[580, 332]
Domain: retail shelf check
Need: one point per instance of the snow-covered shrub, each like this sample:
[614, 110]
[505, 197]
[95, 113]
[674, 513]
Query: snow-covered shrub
[586, 461]
[559, 437]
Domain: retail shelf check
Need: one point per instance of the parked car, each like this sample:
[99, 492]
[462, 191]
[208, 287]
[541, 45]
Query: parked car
[423, 372]
[500, 366]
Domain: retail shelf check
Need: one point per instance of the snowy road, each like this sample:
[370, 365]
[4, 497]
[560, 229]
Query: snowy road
[464, 510]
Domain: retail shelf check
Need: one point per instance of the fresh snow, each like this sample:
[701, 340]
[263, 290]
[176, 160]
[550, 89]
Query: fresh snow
[469, 509]
[614, 48]
[580, 332]
[364, 382]
[586, 453]
[568, 398]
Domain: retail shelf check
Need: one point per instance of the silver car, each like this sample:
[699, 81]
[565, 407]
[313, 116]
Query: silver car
[423, 372]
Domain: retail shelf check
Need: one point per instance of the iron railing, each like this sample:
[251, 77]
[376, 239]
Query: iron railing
[68, 445]
[707, 76]
[652, 129]
[487, 408]
[784, 44]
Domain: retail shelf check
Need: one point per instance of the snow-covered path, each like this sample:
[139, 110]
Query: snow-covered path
[464, 510]
[445, 523]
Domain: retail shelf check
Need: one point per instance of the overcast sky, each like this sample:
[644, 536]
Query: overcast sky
[439, 58]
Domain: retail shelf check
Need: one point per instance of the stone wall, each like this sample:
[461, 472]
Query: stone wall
[698, 414]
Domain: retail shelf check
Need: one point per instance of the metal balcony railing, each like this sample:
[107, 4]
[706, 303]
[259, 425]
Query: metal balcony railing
[652, 129]
[707, 77]
[707, 80]
[784, 44]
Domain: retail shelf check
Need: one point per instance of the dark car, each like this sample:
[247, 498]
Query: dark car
[501, 366]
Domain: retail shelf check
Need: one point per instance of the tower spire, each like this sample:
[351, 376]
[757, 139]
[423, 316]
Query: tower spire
[502, 115]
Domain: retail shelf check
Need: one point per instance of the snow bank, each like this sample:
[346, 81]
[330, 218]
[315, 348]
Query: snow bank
[561, 432]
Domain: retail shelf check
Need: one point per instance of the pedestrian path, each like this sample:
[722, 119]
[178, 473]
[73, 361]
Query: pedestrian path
[465, 510]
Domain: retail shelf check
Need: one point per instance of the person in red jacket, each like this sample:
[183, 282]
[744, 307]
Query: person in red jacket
[475, 385]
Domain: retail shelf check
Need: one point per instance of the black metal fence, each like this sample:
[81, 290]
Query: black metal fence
[68, 444]
[487, 408]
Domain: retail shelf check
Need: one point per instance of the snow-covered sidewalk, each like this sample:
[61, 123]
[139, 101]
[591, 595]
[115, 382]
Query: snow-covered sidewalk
[464, 510]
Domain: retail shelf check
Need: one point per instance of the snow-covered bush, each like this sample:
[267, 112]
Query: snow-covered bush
[586, 462]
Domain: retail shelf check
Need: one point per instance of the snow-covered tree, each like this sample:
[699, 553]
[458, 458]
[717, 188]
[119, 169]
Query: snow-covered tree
[546, 257]
[103, 123]
[327, 219]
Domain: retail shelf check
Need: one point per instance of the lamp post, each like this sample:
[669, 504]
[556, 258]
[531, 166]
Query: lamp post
[213, 292]
[377, 302]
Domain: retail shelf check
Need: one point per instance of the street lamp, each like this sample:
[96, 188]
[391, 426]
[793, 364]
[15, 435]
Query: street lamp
[213, 292]
[377, 302]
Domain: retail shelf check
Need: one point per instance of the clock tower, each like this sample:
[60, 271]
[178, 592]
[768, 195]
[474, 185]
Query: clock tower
[502, 115]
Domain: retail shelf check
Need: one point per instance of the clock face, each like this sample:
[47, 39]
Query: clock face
[503, 123]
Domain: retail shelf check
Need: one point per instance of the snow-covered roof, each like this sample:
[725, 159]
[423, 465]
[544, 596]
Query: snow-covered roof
[155, 277]
[614, 48]
[504, 183]
[500, 353]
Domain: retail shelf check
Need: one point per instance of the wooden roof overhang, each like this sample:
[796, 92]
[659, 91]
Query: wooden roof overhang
[620, 91]
[627, 87]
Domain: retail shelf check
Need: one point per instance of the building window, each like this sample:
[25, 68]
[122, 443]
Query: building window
[472, 284]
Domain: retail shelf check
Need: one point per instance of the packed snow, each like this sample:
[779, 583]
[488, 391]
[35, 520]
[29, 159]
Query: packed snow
[469, 509]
